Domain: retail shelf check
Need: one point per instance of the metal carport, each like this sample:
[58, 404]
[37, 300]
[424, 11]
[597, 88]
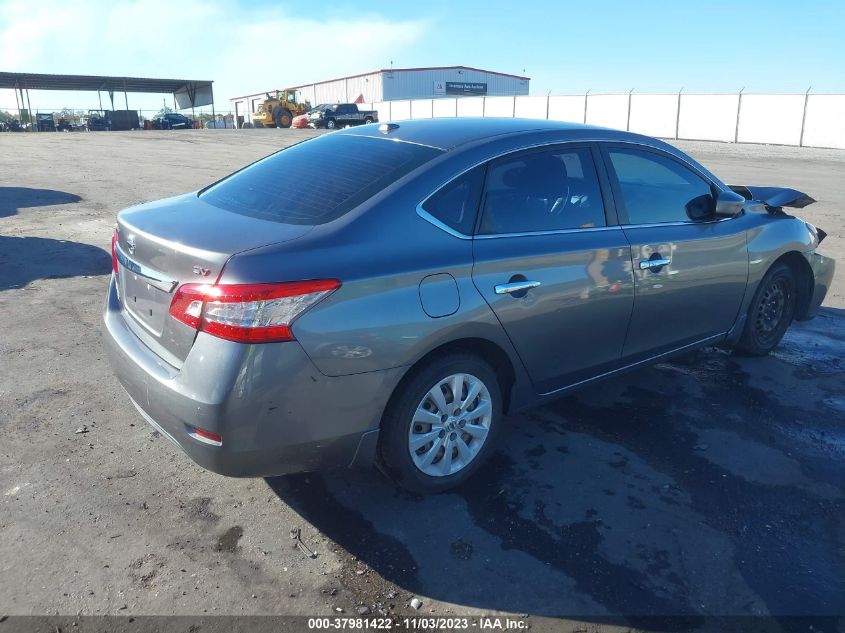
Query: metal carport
[186, 93]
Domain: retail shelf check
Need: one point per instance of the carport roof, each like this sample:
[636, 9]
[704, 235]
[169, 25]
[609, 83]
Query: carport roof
[34, 81]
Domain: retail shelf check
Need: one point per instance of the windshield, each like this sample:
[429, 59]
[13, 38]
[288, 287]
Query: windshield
[319, 180]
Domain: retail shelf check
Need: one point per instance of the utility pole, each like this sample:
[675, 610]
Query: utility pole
[678, 115]
[804, 117]
[738, 111]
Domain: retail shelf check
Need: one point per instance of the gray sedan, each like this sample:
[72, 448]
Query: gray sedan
[386, 294]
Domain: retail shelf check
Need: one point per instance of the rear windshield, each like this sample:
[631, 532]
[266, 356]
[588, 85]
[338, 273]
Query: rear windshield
[317, 181]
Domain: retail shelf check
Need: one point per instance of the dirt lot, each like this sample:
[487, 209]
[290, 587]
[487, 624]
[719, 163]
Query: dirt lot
[711, 485]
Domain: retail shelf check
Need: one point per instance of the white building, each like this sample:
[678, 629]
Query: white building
[391, 84]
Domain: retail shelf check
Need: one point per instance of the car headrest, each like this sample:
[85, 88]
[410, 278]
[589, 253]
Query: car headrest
[544, 175]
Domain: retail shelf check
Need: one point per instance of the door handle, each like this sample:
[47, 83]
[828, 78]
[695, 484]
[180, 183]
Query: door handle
[645, 264]
[515, 286]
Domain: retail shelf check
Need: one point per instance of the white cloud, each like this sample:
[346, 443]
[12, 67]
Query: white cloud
[243, 48]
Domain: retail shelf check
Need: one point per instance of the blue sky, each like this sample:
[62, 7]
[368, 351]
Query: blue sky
[565, 47]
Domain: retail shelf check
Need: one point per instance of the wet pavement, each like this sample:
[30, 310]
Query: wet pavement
[707, 485]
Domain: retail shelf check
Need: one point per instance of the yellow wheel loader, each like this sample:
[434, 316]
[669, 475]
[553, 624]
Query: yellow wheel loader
[279, 111]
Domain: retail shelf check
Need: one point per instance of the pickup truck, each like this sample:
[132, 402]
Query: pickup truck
[337, 115]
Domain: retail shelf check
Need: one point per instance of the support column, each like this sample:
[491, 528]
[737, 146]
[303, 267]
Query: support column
[17, 102]
[213, 113]
[29, 105]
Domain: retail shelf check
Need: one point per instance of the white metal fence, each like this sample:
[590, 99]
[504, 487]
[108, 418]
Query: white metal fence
[810, 120]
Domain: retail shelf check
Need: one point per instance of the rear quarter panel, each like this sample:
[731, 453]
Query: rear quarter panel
[381, 253]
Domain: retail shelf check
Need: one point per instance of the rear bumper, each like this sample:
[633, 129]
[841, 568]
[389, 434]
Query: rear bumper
[823, 269]
[275, 411]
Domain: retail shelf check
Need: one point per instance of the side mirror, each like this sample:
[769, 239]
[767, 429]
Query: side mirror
[729, 204]
[701, 208]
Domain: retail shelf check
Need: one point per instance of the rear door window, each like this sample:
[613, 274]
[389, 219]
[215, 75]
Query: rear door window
[319, 180]
[456, 204]
[548, 190]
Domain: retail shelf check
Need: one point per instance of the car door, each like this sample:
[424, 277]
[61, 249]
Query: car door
[553, 264]
[690, 268]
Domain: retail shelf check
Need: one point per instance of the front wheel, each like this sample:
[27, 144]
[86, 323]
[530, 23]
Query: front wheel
[282, 117]
[770, 313]
[442, 424]
[330, 124]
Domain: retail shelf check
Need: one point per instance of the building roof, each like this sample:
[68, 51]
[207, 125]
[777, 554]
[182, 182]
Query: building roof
[385, 70]
[408, 70]
[35, 81]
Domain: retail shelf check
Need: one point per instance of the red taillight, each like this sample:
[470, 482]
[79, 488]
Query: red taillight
[248, 313]
[114, 252]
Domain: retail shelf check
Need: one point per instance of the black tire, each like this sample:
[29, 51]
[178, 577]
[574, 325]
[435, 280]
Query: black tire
[283, 118]
[396, 424]
[770, 313]
[368, 120]
[331, 124]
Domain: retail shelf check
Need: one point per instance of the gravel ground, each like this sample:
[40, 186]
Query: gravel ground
[710, 485]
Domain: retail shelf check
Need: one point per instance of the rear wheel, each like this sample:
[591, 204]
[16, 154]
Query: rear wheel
[368, 120]
[442, 424]
[770, 313]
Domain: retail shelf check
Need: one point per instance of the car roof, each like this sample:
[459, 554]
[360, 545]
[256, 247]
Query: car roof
[450, 133]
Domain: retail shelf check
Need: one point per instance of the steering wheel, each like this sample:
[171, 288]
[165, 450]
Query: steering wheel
[561, 203]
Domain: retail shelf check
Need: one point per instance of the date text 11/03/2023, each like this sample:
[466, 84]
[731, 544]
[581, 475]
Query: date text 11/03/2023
[444, 625]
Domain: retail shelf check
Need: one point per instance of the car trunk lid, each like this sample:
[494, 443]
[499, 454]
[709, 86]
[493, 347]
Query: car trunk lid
[164, 244]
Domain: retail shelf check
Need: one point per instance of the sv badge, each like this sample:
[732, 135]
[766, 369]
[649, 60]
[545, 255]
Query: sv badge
[202, 272]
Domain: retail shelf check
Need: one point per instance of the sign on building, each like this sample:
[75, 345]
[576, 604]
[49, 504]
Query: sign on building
[465, 88]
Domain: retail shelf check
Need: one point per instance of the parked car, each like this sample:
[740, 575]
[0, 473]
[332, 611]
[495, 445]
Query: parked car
[388, 294]
[68, 125]
[172, 121]
[338, 115]
[11, 125]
